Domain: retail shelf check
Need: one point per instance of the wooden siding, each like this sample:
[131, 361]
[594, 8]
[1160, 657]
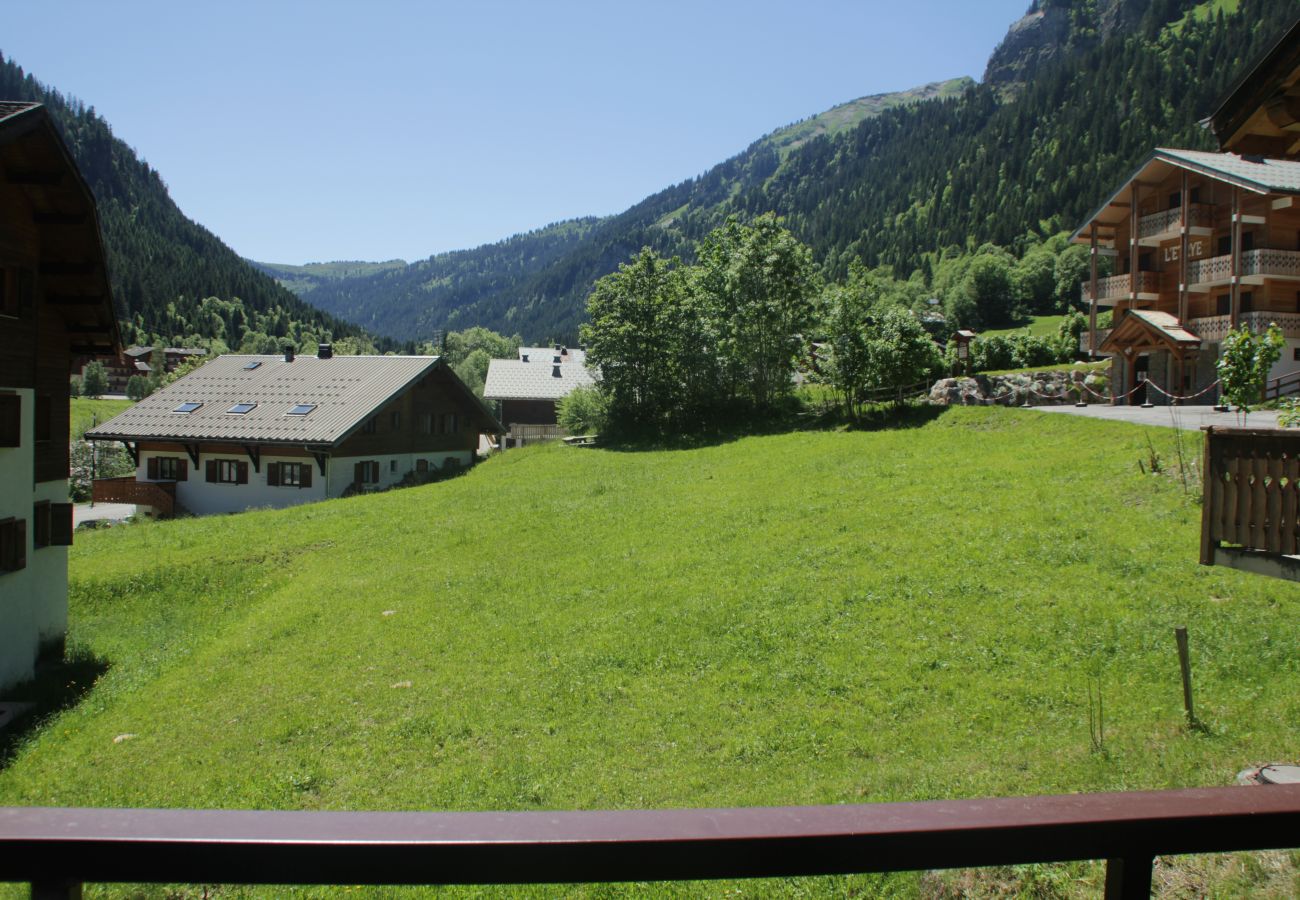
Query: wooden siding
[433, 396]
[528, 412]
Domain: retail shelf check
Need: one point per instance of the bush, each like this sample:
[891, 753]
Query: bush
[584, 411]
[137, 388]
[94, 380]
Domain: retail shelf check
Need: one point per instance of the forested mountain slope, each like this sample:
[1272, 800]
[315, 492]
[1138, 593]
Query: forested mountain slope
[1065, 115]
[161, 263]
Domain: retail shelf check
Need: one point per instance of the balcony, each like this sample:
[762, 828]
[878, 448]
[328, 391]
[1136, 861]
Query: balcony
[1162, 225]
[1255, 265]
[161, 495]
[1118, 287]
[57, 850]
[1213, 329]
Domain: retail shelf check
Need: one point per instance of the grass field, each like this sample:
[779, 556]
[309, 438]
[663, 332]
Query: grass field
[86, 412]
[1038, 326]
[823, 617]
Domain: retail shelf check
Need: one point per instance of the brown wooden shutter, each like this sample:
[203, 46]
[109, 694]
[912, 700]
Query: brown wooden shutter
[41, 524]
[11, 420]
[241, 472]
[273, 474]
[61, 525]
[20, 544]
[359, 472]
[151, 468]
[304, 475]
[212, 470]
[182, 469]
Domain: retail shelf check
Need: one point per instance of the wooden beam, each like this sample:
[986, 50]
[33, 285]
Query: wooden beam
[192, 450]
[33, 177]
[74, 299]
[321, 459]
[133, 450]
[254, 456]
[85, 267]
[1284, 203]
[1257, 562]
[59, 218]
[87, 329]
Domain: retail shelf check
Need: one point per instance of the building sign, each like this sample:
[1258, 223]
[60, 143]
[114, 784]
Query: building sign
[1195, 250]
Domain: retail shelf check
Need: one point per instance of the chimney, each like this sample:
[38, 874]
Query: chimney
[557, 348]
[288, 352]
[557, 359]
[325, 351]
[555, 371]
[523, 357]
[564, 351]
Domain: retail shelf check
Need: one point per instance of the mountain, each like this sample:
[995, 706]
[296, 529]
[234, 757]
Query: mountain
[1076, 95]
[162, 265]
[303, 279]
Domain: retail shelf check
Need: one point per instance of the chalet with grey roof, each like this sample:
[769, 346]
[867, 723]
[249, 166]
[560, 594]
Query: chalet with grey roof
[251, 431]
[1198, 244]
[55, 305]
[530, 387]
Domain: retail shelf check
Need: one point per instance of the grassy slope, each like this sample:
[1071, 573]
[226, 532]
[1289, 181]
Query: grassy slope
[805, 618]
[847, 115]
[86, 412]
[1039, 326]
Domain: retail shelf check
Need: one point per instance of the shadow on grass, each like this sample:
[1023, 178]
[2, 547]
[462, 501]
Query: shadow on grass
[56, 687]
[788, 420]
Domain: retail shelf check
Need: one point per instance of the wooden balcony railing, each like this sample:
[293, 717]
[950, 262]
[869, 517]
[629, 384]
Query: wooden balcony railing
[57, 850]
[1264, 262]
[1199, 215]
[1251, 505]
[1118, 287]
[161, 495]
[1214, 328]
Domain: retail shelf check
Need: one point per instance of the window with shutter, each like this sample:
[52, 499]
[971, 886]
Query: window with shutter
[41, 524]
[61, 525]
[13, 545]
[304, 475]
[273, 474]
[211, 470]
[182, 469]
[11, 420]
[241, 475]
[151, 468]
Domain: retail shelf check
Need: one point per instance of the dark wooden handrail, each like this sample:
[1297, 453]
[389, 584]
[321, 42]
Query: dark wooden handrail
[58, 849]
[1282, 386]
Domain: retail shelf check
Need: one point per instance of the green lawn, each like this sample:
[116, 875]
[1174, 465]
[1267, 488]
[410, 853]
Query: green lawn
[86, 412]
[1038, 326]
[827, 617]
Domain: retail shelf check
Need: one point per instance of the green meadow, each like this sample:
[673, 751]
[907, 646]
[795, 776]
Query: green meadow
[817, 617]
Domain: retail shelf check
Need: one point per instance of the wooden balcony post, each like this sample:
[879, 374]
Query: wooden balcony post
[1092, 290]
[1234, 303]
[1184, 245]
[1129, 877]
[1133, 247]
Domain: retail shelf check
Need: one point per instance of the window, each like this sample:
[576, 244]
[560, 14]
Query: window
[284, 474]
[392, 465]
[167, 468]
[425, 423]
[455, 424]
[240, 409]
[1223, 304]
[395, 419]
[248, 367]
[301, 409]
[1247, 241]
[44, 417]
[187, 407]
[1175, 199]
[1295, 354]
[41, 524]
[366, 472]
[227, 471]
[447, 423]
[1247, 301]
[371, 425]
[13, 545]
[11, 420]
[422, 465]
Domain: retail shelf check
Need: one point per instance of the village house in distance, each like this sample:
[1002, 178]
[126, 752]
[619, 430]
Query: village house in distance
[530, 387]
[1201, 243]
[54, 305]
[250, 431]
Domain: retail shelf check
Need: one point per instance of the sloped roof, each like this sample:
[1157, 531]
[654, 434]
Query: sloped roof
[510, 379]
[546, 354]
[346, 391]
[1161, 325]
[1253, 173]
[1244, 112]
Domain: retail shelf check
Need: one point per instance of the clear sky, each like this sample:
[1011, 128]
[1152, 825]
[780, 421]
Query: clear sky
[312, 131]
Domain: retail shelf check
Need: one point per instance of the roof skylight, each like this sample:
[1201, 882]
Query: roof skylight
[240, 408]
[301, 409]
[187, 407]
[252, 365]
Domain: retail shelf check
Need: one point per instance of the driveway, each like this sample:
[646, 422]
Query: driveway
[1189, 418]
[109, 512]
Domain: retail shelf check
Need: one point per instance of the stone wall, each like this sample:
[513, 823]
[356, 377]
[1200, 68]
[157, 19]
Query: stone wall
[1051, 388]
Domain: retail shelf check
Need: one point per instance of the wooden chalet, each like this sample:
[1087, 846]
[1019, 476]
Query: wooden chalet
[1202, 243]
[54, 305]
[530, 388]
[251, 431]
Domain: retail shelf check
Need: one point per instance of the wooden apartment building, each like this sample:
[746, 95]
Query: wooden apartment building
[1200, 243]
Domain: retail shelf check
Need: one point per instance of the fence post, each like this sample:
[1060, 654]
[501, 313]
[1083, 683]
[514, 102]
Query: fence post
[1129, 877]
[56, 889]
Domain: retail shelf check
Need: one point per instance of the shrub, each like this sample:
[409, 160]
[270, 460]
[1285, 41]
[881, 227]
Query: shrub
[583, 411]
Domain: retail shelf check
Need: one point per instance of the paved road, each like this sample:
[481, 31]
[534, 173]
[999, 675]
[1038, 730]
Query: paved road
[112, 512]
[1189, 418]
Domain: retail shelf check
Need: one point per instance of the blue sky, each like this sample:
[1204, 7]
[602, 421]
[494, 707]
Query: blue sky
[304, 131]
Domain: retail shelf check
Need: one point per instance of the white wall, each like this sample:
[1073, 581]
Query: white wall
[33, 600]
[203, 498]
[1286, 363]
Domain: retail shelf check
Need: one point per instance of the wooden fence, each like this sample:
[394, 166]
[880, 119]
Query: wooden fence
[161, 495]
[1251, 500]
